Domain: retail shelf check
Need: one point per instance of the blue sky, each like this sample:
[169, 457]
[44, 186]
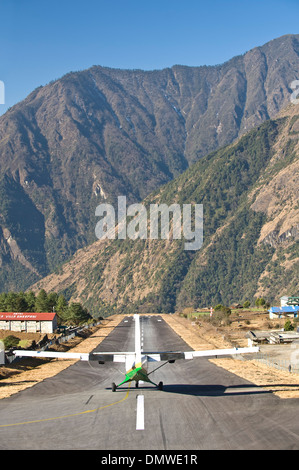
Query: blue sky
[42, 40]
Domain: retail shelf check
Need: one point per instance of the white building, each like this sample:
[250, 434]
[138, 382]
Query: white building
[28, 322]
[283, 301]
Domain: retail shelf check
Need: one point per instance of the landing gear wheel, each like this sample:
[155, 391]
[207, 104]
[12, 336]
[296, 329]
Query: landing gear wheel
[136, 384]
[113, 387]
[160, 386]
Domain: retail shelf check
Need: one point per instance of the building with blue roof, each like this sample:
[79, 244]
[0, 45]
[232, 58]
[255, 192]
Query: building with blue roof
[291, 311]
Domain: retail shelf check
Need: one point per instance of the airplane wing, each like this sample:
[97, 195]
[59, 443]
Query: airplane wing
[96, 356]
[122, 356]
[176, 355]
[51, 354]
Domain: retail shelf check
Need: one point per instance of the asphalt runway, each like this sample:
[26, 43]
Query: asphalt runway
[201, 406]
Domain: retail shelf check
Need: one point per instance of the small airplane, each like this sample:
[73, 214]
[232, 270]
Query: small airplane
[136, 362]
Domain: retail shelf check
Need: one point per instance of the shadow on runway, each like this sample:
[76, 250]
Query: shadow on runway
[214, 390]
[202, 390]
[221, 390]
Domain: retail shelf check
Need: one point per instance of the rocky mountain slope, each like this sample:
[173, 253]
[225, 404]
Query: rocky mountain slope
[93, 135]
[249, 191]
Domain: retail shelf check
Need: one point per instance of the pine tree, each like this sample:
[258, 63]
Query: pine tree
[41, 302]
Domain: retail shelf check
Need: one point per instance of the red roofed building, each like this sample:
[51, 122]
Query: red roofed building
[28, 322]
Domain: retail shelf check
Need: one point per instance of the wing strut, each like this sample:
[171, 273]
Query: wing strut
[167, 362]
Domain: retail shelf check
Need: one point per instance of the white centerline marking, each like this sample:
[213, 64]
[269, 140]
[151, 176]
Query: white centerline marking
[140, 413]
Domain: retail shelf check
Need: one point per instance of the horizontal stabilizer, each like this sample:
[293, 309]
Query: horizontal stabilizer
[110, 356]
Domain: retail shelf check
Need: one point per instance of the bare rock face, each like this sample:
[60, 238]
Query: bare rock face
[278, 196]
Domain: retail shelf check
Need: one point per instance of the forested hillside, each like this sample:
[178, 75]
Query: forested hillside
[249, 192]
[67, 312]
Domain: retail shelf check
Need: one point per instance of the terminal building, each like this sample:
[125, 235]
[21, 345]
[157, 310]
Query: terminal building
[28, 322]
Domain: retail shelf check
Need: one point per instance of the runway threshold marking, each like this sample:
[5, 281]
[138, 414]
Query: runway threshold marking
[67, 416]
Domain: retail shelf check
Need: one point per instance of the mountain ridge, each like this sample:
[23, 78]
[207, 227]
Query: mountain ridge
[92, 135]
